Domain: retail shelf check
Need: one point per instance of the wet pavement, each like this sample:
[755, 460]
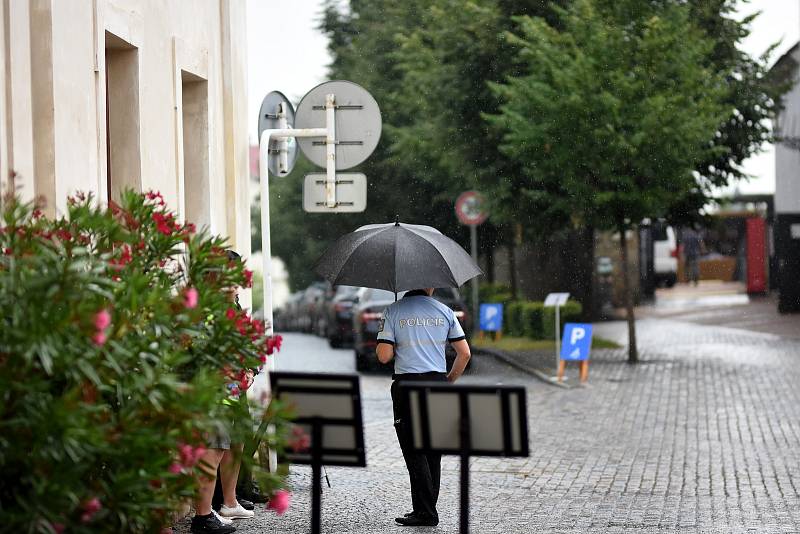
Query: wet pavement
[702, 437]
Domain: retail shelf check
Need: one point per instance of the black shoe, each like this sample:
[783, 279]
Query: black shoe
[254, 496]
[247, 505]
[415, 520]
[209, 524]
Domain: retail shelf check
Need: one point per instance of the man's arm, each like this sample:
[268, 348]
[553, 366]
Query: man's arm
[385, 351]
[463, 355]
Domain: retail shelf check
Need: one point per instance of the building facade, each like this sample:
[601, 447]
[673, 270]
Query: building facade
[787, 185]
[103, 95]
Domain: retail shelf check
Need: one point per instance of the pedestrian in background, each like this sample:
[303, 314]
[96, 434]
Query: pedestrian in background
[692, 249]
[415, 331]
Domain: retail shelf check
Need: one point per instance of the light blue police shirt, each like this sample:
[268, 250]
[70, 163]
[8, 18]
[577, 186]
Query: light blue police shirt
[419, 327]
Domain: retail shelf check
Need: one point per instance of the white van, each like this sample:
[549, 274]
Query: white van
[665, 255]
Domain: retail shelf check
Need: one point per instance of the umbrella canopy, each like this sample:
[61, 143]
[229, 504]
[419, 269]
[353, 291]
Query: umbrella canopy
[396, 257]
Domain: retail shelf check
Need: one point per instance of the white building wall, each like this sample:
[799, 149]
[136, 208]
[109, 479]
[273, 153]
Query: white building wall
[57, 87]
[787, 158]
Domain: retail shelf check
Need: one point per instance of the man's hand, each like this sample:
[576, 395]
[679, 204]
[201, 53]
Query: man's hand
[385, 352]
[463, 355]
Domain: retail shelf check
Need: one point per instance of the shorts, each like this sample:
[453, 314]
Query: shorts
[219, 440]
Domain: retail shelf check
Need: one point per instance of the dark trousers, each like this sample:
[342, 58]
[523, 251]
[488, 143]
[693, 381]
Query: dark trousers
[424, 470]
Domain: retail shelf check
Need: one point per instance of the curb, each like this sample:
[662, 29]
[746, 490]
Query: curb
[503, 357]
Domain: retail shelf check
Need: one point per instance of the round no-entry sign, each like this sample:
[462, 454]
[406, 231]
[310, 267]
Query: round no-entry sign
[471, 208]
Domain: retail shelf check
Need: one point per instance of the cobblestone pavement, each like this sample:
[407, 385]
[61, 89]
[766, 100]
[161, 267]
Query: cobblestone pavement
[702, 437]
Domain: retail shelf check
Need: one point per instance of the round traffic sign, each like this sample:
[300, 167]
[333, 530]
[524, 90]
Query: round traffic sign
[358, 123]
[268, 120]
[471, 208]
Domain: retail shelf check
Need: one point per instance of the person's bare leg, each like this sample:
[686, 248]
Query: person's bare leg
[207, 480]
[561, 366]
[229, 473]
[584, 371]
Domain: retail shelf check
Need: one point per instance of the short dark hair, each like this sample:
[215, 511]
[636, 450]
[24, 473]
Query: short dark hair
[233, 255]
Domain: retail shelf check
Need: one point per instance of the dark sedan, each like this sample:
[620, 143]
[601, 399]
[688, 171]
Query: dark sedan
[367, 312]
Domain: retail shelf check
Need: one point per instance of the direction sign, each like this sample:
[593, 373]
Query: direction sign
[491, 317]
[358, 123]
[268, 119]
[577, 342]
[351, 193]
[471, 208]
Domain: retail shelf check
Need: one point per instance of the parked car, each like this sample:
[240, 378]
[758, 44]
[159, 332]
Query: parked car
[368, 309]
[290, 315]
[310, 304]
[339, 316]
[665, 255]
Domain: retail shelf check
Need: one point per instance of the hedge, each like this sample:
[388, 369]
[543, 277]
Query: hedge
[524, 318]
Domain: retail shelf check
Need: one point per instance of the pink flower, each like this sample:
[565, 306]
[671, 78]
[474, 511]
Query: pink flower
[235, 391]
[191, 298]
[102, 319]
[58, 528]
[230, 313]
[90, 508]
[279, 502]
[92, 505]
[99, 338]
[175, 468]
[300, 441]
[248, 278]
[190, 455]
[163, 223]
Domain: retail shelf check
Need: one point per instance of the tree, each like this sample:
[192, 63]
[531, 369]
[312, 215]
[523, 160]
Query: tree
[616, 110]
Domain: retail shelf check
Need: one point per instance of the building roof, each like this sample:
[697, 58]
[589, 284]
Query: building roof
[786, 63]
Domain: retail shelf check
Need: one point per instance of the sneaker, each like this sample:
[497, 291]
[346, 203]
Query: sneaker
[223, 520]
[247, 505]
[209, 524]
[236, 512]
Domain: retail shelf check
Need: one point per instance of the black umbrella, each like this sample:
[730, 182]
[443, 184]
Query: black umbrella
[396, 257]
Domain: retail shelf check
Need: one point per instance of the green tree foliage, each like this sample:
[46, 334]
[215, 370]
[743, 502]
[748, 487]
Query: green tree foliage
[615, 111]
[120, 342]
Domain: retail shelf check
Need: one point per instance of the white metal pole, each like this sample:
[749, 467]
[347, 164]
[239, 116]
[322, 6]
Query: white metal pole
[266, 247]
[558, 334]
[330, 148]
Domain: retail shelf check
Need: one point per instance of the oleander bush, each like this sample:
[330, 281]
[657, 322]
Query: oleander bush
[120, 341]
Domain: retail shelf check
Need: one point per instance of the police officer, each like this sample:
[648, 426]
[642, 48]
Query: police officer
[414, 331]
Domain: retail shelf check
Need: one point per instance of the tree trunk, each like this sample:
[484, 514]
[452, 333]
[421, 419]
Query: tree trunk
[633, 355]
[512, 268]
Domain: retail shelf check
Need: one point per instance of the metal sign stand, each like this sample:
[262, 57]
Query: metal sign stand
[557, 300]
[324, 400]
[509, 409]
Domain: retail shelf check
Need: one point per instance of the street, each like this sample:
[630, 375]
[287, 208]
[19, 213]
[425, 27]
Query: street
[701, 437]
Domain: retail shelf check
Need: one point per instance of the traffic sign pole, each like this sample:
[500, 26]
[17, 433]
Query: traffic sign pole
[473, 240]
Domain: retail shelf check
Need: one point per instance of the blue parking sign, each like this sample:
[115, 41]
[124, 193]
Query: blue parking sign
[491, 317]
[577, 342]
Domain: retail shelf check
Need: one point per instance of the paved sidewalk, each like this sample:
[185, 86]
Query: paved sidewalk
[702, 437]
